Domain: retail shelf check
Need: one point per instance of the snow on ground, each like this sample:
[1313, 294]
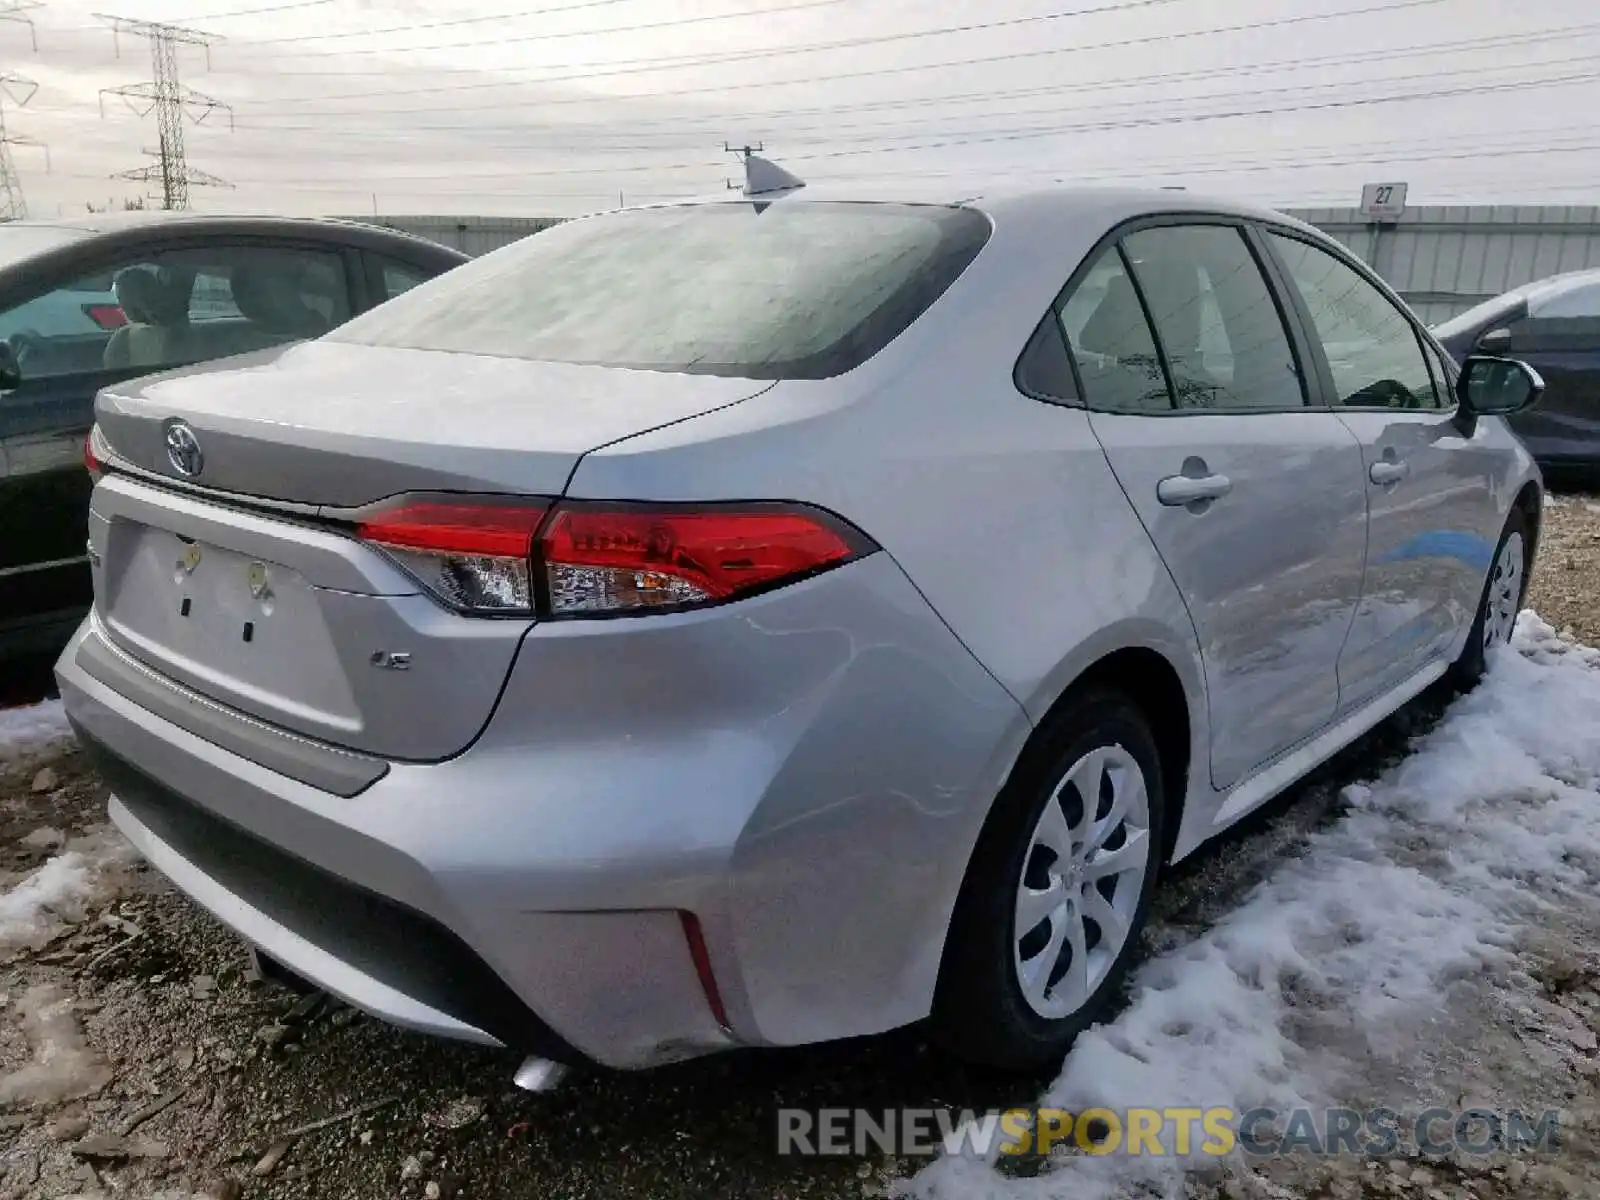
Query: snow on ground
[1344, 953]
[63, 1066]
[29, 729]
[60, 893]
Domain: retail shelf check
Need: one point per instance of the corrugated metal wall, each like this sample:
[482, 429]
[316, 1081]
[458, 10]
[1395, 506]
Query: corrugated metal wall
[1441, 259]
[470, 235]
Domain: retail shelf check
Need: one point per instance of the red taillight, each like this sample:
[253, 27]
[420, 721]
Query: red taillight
[91, 461]
[475, 554]
[604, 558]
[491, 555]
[107, 316]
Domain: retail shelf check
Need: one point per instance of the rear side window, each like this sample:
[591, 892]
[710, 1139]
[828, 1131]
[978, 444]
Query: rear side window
[1105, 326]
[401, 277]
[788, 290]
[1225, 343]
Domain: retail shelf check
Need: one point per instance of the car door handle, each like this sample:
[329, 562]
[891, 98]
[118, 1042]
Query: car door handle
[1388, 471]
[1178, 490]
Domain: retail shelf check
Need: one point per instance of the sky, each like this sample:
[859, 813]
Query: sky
[556, 107]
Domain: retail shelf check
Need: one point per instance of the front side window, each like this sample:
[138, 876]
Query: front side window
[1111, 342]
[1216, 319]
[784, 290]
[1372, 348]
[176, 308]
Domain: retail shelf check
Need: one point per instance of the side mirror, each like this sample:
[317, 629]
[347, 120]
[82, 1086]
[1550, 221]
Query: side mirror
[1496, 387]
[10, 371]
[1494, 341]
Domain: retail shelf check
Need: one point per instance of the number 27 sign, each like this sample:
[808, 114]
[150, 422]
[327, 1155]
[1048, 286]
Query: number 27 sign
[1383, 201]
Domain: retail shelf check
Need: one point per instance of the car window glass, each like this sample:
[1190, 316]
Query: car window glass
[1568, 300]
[176, 308]
[1565, 322]
[1373, 350]
[401, 277]
[1043, 370]
[1110, 340]
[1444, 376]
[758, 290]
[1216, 319]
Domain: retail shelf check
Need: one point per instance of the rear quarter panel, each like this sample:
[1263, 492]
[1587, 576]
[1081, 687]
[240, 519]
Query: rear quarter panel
[1002, 510]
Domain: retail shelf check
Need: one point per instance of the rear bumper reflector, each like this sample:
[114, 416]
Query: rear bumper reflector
[702, 967]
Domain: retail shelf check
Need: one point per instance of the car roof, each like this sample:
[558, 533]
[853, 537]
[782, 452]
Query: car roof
[65, 243]
[1552, 285]
[1001, 199]
[92, 223]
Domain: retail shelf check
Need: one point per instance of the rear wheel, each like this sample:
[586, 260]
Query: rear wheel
[1503, 594]
[1058, 889]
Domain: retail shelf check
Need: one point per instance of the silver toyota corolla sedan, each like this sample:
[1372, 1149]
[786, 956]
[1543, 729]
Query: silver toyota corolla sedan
[783, 617]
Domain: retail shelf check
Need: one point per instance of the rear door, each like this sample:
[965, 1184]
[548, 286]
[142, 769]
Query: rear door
[1254, 500]
[1430, 490]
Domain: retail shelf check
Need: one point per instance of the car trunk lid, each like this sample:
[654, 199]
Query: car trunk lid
[246, 585]
[334, 425]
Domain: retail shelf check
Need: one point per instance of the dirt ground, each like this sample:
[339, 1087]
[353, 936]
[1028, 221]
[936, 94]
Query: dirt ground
[139, 1057]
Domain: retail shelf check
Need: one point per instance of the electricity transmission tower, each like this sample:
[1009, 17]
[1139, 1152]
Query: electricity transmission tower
[172, 103]
[16, 90]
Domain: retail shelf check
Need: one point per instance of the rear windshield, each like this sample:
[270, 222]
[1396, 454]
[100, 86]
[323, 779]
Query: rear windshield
[788, 290]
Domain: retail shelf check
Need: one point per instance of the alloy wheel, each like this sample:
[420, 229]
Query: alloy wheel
[1082, 878]
[1504, 596]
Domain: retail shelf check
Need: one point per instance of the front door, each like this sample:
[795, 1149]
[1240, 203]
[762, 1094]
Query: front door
[1255, 502]
[130, 317]
[1432, 521]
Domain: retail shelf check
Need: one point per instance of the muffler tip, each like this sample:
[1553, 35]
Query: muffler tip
[538, 1074]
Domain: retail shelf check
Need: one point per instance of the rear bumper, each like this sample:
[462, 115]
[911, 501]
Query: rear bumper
[805, 772]
[378, 955]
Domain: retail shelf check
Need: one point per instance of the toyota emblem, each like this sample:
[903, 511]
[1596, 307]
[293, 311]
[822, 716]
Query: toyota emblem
[183, 450]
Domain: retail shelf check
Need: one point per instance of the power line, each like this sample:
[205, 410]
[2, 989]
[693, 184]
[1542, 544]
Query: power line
[749, 117]
[835, 135]
[1146, 119]
[1358, 102]
[1145, 107]
[534, 12]
[172, 104]
[654, 65]
[262, 11]
[1498, 42]
[1578, 139]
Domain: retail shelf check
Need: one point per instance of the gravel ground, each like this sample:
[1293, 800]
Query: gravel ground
[139, 1057]
[1566, 585]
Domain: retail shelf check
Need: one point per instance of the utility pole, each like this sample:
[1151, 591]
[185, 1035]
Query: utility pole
[171, 102]
[16, 90]
[744, 152]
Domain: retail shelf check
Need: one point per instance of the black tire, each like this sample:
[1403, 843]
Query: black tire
[1470, 666]
[980, 1012]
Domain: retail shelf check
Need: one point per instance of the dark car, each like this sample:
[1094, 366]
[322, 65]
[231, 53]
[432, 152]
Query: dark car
[84, 303]
[1553, 325]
